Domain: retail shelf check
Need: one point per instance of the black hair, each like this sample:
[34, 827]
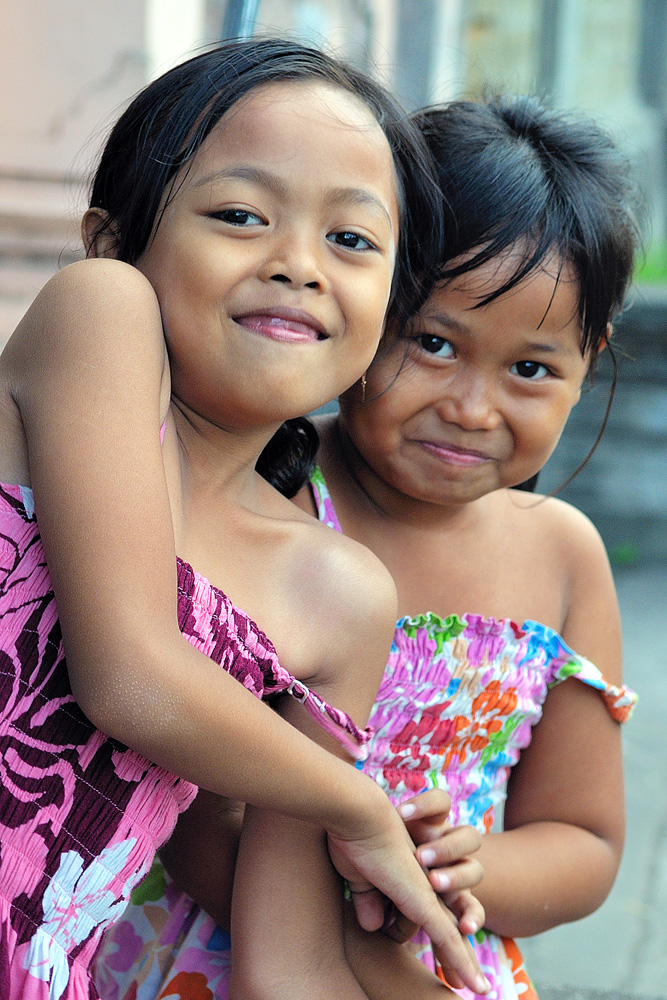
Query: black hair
[517, 174]
[165, 125]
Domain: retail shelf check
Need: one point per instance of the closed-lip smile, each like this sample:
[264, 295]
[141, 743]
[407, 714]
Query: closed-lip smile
[454, 454]
[283, 324]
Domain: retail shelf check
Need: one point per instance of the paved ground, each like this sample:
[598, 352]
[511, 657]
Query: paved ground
[620, 953]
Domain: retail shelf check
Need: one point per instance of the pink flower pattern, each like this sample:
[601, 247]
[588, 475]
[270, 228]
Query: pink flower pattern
[81, 815]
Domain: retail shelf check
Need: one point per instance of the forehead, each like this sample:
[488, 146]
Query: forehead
[289, 124]
[546, 298]
[316, 102]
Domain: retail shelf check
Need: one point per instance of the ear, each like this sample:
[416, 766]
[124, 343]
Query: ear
[99, 234]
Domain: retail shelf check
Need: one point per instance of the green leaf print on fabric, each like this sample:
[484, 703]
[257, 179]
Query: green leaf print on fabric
[499, 740]
[152, 888]
[439, 630]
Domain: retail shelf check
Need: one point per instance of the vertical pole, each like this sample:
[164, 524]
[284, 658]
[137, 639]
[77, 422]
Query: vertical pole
[240, 17]
[560, 49]
[414, 51]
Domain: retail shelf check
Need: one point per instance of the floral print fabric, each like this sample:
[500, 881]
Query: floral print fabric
[81, 815]
[456, 706]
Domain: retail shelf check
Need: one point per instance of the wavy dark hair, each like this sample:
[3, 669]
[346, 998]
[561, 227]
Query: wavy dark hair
[515, 173]
[165, 125]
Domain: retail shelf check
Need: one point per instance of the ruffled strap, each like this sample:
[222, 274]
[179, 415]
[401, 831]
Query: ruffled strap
[620, 701]
[225, 633]
[338, 724]
[565, 663]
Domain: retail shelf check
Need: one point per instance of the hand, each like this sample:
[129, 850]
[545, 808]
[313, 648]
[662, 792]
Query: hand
[383, 857]
[445, 851]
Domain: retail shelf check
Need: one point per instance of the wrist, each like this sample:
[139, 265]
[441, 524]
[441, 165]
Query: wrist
[361, 808]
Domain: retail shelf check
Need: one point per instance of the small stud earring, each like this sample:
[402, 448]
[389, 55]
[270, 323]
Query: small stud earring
[363, 388]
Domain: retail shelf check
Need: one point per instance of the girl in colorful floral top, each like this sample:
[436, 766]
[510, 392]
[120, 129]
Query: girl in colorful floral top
[245, 233]
[484, 694]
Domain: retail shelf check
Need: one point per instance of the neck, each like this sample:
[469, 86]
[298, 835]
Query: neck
[378, 499]
[222, 456]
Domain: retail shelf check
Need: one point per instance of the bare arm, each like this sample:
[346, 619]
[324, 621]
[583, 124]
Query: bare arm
[87, 374]
[283, 890]
[287, 902]
[88, 384]
[564, 818]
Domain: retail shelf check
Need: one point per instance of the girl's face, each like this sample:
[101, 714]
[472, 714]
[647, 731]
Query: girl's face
[273, 262]
[484, 393]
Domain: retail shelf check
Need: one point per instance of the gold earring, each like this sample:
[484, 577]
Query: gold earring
[363, 388]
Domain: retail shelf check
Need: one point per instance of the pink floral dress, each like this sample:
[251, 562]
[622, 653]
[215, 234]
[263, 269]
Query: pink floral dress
[456, 706]
[81, 815]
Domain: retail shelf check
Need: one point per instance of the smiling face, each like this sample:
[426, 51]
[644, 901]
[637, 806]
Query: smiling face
[273, 262]
[483, 394]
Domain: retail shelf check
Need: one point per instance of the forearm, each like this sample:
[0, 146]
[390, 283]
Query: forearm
[200, 855]
[188, 715]
[287, 915]
[388, 970]
[541, 875]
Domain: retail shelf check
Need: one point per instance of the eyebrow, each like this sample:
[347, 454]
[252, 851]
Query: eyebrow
[445, 321]
[256, 175]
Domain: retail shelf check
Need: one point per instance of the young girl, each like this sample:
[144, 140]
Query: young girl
[247, 225]
[483, 693]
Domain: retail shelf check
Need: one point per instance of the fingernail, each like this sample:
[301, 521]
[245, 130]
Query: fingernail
[407, 810]
[474, 927]
[427, 856]
[483, 984]
[444, 881]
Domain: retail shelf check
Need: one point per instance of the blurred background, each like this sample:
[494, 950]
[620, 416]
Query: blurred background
[67, 67]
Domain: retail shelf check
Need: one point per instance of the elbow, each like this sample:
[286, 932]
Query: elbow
[246, 986]
[124, 697]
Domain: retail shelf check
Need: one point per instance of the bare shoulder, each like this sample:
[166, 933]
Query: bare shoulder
[565, 527]
[94, 332]
[98, 277]
[94, 321]
[81, 303]
[348, 572]
[592, 622]
[347, 594]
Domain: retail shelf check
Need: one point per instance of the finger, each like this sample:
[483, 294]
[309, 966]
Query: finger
[369, 906]
[467, 909]
[463, 875]
[455, 954]
[454, 845]
[433, 805]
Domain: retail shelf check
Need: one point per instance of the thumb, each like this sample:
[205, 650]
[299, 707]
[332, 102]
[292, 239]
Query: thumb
[369, 905]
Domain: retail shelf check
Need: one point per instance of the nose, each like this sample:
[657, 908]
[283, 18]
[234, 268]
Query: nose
[295, 260]
[471, 401]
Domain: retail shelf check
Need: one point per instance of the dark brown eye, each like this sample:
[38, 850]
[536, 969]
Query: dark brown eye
[238, 217]
[438, 346]
[530, 369]
[351, 241]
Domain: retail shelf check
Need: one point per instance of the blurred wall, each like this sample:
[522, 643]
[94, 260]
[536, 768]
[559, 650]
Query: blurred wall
[68, 66]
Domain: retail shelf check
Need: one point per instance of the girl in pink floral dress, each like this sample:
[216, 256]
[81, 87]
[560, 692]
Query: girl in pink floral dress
[483, 694]
[242, 268]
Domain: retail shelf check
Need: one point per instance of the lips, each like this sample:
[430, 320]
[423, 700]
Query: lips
[283, 325]
[454, 454]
